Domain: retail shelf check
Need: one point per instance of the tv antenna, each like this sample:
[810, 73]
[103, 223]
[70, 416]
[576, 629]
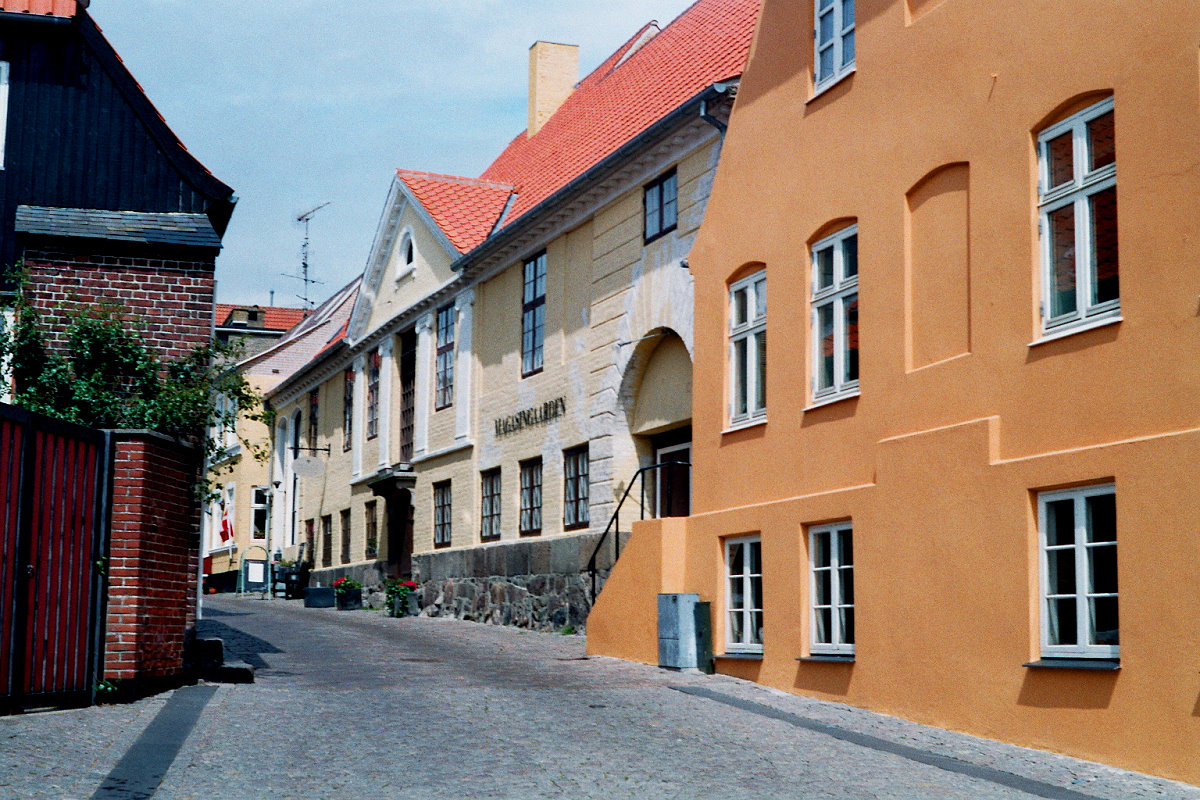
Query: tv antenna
[305, 218]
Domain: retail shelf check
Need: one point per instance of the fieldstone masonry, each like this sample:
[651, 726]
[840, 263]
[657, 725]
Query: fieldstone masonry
[542, 584]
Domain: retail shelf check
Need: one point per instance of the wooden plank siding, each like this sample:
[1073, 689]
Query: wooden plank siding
[82, 135]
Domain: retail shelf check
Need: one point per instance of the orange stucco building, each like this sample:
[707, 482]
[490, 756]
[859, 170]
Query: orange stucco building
[954, 473]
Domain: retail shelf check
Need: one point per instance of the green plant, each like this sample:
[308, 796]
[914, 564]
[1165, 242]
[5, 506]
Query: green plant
[342, 584]
[101, 373]
[397, 592]
[567, 630]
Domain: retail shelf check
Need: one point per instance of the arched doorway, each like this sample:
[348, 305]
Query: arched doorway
[660, 420]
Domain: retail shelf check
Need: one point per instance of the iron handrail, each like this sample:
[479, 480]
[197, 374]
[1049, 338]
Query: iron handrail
[615, 521]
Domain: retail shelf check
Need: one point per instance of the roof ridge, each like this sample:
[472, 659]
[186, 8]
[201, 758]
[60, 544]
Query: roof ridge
[454, 179]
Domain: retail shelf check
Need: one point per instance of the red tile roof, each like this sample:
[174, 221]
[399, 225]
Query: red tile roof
[53, 8]
[649, 76]
[276, 318]
[707, 43]
[465, 209]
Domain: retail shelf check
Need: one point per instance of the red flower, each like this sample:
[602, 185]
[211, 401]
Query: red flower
[338, 582]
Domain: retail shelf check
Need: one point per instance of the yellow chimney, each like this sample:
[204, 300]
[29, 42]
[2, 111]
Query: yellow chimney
[553, 71]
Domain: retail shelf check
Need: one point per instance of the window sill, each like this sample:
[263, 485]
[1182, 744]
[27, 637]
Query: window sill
[828, 658]
[739, 656]
[741, 426]
[657, 236]
[404, 273]
[577, 526]
[826, 87]
[830, 400]
[1062, 333]
[1102, 664]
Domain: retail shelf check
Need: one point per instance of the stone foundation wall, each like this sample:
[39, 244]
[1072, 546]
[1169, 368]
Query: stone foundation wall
[538, 584]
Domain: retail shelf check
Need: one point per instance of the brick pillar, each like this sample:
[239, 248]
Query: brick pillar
[154, 556]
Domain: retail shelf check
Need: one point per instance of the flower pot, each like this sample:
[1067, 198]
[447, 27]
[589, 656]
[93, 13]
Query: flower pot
[318, 597]
[349, 599]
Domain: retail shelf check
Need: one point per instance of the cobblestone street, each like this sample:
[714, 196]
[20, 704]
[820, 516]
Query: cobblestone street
[354, 704]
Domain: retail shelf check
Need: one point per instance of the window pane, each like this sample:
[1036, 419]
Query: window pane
[1060, 522]
[756, 619]
[1103, 563]
[823, 619]
[754, 551]
[1103, 624]
[845, 548]
[760, 382]
[851, 334]
[669, 203]
[847, 13]
[1062, 261]
[846, 586]
[737, 593]
[824, 4]
[823, 581]
[826, 27]
[848, 49]
[1105, 280]
[850, 256]
[826, 64]
[847, 620]
[756, 593]
[736, 564]
[739, 377]
[825, 351]
[821, 549]
[741, 313]
[1101, 517]
[825, 267]
[1102, 143]
[735, 626]
[1061, 622]
[653, 224]
[1060, 159]
[1060, 571]
[760, 299]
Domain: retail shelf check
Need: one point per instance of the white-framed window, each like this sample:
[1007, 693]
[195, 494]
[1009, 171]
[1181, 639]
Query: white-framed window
[1077, 219]
[835, 315]
[831, 561]
[834, 45]
[748, 349]
[4, 71]
[406, 256]
[260, 504]
[444, 389]
[1078, 542]
[743, 595]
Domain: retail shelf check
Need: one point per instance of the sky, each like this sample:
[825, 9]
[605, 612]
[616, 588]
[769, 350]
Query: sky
[305, 102]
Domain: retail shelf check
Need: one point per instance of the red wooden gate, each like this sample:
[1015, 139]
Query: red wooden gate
[54, 490]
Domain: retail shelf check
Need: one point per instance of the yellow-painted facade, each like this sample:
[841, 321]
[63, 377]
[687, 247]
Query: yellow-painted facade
[980, 403]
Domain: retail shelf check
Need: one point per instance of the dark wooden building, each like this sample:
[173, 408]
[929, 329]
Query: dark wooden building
[97, 195]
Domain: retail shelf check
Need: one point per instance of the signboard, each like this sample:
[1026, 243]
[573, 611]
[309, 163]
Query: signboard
[255, 575]
[531, 417]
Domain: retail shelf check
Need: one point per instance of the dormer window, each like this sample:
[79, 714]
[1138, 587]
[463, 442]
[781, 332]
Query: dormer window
[406, 256]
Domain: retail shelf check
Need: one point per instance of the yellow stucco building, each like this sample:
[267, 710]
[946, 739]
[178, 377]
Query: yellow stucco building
[951, 473]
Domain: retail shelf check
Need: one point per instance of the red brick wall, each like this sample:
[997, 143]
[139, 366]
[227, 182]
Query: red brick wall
[175, 299]
[154, 556]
